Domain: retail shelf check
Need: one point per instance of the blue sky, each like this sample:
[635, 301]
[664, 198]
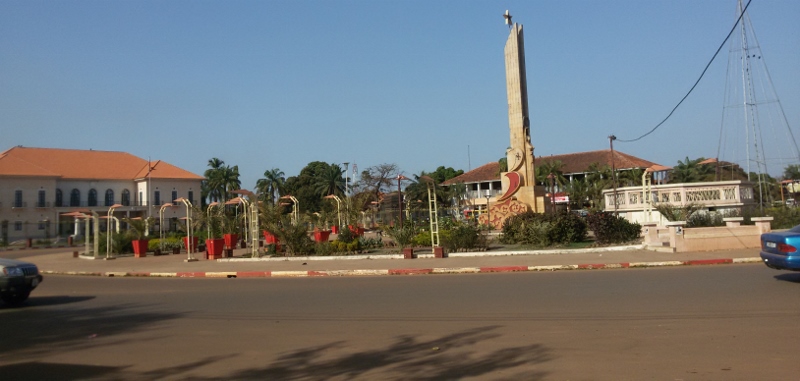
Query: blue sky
[278, 84]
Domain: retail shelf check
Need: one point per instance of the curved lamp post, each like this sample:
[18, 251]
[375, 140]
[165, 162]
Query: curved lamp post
[338, 206]
[295, 206]
[161, 225]
[108, 230]
[190, 257]
[208, 218]
[250, 210]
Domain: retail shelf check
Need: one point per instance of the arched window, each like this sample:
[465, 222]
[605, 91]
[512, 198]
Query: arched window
[126, 197]
[92, 197]
[59, 198]
[109, 197]
[75, 198]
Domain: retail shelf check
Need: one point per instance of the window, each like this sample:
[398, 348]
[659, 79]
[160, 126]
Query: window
[42, 225]
[126, 197]
[18, 226]
[92, 197]
[109, 197]
[174, 196]
[42, 200]
[191, 197]
[141, 199]
[18, 199]
[59, 197]
[157, 198]
[75, 198]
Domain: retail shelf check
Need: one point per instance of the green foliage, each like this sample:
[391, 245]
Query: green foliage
[138, 226]
[783, 218]
[609, 228]
[324, 248]
[676, 213]
[702, 219]
[422, 238]
[544, 229]
[346, 235]
[120, 243]
[403, 235]
[463, 236]
[169, 243]
[294, 238]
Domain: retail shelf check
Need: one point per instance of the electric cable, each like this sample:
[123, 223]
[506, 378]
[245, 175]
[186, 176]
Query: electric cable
[698, 79]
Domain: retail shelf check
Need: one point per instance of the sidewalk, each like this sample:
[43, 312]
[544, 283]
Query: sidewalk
[60, 261]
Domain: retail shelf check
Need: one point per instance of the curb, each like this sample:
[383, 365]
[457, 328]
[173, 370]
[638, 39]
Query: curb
[413, 271]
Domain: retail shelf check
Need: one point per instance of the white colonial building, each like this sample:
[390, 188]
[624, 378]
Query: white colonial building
[39, 185]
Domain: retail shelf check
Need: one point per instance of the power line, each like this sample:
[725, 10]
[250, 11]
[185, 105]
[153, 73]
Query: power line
[698, 79]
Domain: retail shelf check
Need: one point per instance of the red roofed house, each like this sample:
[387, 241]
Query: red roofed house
[485, 181]
[38, 185]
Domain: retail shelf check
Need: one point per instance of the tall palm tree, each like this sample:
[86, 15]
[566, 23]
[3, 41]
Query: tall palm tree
[691, 171]
[578, 190]
[271, 186]
[215, 184]
[329, 181]
[630, 178]
[230, 181]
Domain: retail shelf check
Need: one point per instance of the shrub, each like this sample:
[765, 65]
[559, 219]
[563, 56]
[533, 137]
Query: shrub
[346, 235]
[609, 228]
[324, 248]
[402, 235]
[422, 239]
[462, 236]
[544, 229]
[702, 219]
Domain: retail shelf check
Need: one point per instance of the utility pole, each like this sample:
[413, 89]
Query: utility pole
[611, 139]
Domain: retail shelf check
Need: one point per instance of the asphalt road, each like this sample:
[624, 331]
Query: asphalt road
[731, 322]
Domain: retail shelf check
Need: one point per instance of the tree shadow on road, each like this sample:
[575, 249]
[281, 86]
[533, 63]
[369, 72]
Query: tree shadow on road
[407, 358]
[31, 330]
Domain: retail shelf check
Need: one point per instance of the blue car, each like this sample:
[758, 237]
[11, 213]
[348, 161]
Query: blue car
[779, 250]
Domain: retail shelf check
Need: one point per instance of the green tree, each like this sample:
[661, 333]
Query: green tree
[379, 179]
[214, 180]
[691, 171]
[271, 185]
[791, 172]
[330, 181]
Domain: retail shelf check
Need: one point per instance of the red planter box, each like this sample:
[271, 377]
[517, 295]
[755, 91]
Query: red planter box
[335, 229]
[140, 247]
[408, 253]
[231, 240]
[269, 238]
[214, 248]
[322, 235]
[193, 248]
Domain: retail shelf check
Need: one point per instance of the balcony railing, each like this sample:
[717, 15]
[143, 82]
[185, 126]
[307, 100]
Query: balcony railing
[711, 194]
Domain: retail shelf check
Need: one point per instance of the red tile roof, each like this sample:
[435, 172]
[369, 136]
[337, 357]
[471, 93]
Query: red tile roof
[84, 165]
[573, 163]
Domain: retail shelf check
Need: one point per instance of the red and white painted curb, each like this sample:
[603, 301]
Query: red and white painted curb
[409, 271]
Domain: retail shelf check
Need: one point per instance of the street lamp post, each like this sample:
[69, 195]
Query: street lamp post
[208, 218]
[400, 197]
[108, 230]
[189, 242]
[552, 178]
[161, 225]
[295, 207]
[611, 139]
[338, 206]
[488, 210]
[250, 210]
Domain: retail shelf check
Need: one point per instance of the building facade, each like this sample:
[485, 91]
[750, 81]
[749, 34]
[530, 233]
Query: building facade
[39, 185]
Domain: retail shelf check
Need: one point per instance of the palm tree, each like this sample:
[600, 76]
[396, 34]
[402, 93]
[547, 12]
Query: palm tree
[329, 181]
[691, 171]
[230, 181]
[578, 190]
[271, 186]
[215, 185]
[629, 178]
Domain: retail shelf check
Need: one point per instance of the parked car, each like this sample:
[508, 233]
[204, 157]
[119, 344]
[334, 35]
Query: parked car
[779, 249]
[17, 280]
